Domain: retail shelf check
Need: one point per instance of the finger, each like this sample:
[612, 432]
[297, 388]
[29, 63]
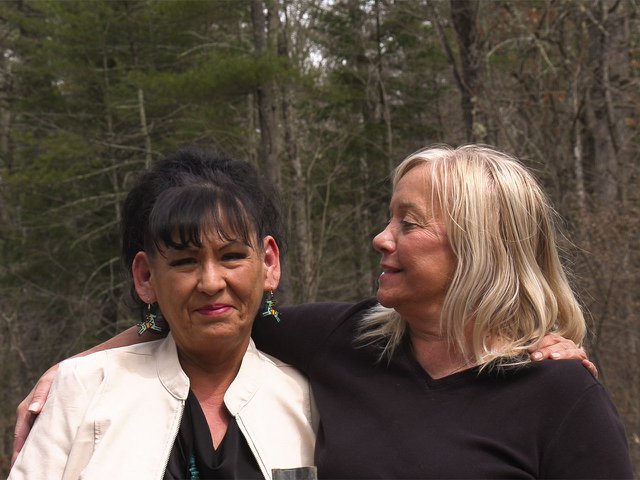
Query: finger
[552, 340]
[39, 395]
[567, 354]
[24, 422]
[559, 352]
[40, 392]
[29, 409]
[589, 365]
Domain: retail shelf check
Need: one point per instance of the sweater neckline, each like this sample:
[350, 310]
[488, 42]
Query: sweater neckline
[455, 378]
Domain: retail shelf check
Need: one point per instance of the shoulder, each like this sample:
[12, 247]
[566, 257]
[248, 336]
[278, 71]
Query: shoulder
[568, 372]
[114, 354]
[273, 375]
[268, 381]
[583, 434]
[276, 368]
[556, 384]
[92, 368]
[554, 395]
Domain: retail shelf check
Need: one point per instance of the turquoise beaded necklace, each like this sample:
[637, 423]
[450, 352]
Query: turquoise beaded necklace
[194, 474]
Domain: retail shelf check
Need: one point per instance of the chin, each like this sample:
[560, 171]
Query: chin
[385, 300]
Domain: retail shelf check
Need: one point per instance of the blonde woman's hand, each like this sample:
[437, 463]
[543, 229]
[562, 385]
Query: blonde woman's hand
[31, 406]
[556, 347]
[29, 409]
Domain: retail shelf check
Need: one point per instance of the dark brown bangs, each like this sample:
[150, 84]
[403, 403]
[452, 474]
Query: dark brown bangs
[182, 216]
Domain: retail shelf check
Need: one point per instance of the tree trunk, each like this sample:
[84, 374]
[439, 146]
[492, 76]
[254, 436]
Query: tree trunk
[301, 222]
[265, 92]
[604, 154]
[144, 127]
[464, 17]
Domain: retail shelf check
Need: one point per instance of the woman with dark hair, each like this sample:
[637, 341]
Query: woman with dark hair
[201, 238]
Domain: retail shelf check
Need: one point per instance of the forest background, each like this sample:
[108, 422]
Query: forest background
[325, 97]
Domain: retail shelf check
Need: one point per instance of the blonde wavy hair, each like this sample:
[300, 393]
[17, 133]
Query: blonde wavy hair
[509, 279]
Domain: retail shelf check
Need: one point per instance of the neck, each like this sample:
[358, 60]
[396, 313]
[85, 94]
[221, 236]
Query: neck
[211, 400]
[436, 355]
[211, 375]
[210, 379]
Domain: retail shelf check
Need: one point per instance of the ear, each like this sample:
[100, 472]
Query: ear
[271, 263]
[141, 270]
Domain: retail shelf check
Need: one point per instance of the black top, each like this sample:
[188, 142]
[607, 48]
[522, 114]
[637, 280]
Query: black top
[548, 419]
[232, 459]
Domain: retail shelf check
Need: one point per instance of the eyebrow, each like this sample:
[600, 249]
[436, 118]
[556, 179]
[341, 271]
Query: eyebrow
[233, 243]
[404, 206]
[226, 244]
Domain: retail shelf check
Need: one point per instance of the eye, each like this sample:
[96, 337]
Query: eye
[180, 262]
[233, 256]
[407, 225]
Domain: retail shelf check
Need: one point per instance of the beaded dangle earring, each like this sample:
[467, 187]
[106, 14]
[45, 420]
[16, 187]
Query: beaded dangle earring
[149, 322]
[269, 307]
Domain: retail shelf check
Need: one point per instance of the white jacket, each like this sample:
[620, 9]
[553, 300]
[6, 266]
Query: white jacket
[116, 414]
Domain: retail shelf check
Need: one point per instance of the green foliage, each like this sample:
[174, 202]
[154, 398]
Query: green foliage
[358, 86]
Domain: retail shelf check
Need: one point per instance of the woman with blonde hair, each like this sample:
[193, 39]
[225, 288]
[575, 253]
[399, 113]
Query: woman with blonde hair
[433, 378]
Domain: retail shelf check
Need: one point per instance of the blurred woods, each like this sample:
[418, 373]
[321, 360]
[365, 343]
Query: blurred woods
[325, 98]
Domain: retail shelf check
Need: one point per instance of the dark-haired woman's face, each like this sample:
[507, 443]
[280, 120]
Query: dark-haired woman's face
[209, 295]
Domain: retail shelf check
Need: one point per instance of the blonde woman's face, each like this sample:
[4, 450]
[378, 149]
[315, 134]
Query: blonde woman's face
[417, 261]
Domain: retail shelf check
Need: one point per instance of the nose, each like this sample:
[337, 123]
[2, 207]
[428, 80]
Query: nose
[384, 242]
[211, 279]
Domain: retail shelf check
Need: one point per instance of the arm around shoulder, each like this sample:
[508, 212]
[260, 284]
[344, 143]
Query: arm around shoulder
[57, 444]
[32, 404]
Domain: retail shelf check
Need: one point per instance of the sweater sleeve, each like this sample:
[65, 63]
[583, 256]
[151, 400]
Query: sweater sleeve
[301, 332]
[590, 442]
[51, 449]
